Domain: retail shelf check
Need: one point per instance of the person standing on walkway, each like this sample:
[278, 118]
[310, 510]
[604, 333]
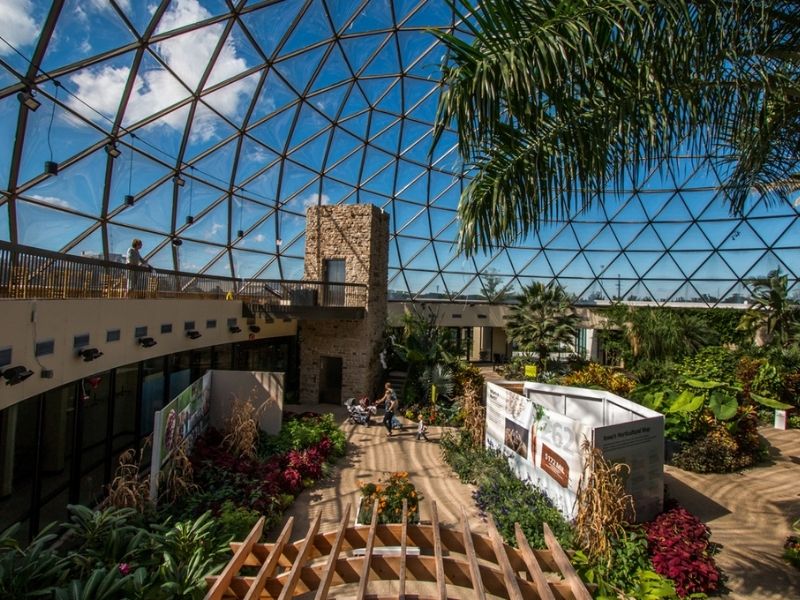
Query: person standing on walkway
[422, 429]
[389, 401]
[135, 260]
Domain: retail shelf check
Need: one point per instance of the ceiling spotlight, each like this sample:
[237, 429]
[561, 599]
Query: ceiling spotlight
[278, 242]
[28, 100]
[235, 329]
[15, 375]
[177, 241]
[112, 150]
[193, 334]
[240, 233]
[129, 199]
[89, 354]
[179, 181]
[50, 167]
[147, 342]
[189, 219]
[254, 328]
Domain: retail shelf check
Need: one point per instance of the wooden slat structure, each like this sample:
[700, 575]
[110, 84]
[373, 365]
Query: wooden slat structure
[403, 560]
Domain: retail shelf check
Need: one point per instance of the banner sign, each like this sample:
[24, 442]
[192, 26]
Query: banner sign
[185, 417]
[542, 432]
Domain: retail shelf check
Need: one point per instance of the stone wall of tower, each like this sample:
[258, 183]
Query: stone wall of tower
[359, 234]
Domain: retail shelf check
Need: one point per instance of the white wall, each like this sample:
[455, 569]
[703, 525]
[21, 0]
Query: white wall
[265, 391]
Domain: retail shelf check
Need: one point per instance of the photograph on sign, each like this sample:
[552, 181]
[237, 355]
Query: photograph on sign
[516, 438]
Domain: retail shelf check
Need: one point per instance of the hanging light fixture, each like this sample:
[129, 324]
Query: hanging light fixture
[51, 166]
[240, 231]
[129, 199]
[189, 217]
[112, 150]
[29, 100]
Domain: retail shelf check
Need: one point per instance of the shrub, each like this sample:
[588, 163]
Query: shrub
[679, 548]
[236, 521]
[598, 376]
[389, 493]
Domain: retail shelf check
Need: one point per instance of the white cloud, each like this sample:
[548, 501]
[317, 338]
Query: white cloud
[52, 200]
[314, 199]
[104, 4]
[16, 24]
[213, 231]
[156, 89]
[260, 238]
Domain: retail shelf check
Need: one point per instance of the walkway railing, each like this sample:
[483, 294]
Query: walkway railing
[33, 273]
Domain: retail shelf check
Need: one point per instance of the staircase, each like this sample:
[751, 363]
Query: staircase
[398, 381]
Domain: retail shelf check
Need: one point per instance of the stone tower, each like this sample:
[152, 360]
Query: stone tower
[359, 235]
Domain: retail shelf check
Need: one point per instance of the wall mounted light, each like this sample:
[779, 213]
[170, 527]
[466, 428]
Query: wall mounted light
[112, 150]
[15, 375]
[147, 342]
[89, 354]
[193, 334]
[254, 328]
[235, 329]
[27, 98]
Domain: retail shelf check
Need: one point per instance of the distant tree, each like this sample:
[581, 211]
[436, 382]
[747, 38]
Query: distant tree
[492, 284]
[543, 321]
[772, 311]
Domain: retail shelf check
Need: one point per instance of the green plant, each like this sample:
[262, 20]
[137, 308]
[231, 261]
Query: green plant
[102, 584]
[32, 572]
[599, 376]
[543, 321]
[236, 521]
[389, 493]
[772, 311]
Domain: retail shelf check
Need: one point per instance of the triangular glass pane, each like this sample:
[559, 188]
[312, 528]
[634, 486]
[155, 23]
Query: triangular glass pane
[791, 258]
[629, 212]
[409, 247]
[221, 267]
[689, 261]
[194, 257]
[342, 145]
[119, 240]
[767, 263]
[348, 170]
[194, 198]
[313, 153]
[599, 260]
[441, 222]
[356, 125]
[309, 123]
[742, 237]
[292, 268]
[212, 227]
[666, 268]
[404, 213]
[359, 48]
[299, 69]
[374, 162]
[626, 232]
[356, 104]
[643, 292]
[388, 140]
[374, 89]
[261, 238]
[647, 240]
[138, 13]
[264, 187]
[538, 267]
[244, 214]
[578, 268]
[334, 71]
[207, 130]
[605, 240]
[620, 268]
[233, 100]
[82, 29]
[92, 246]
[48, 228]
[183, 53]
[247, 264]
[416, 192]
[342, 11]
[432, 14]
[791, 237]
[294, 178]
[252, 157]
[156, 89]
[376, 14]
[219, 162]
[714, 269]
[275, 94]
[693, 239]
[407, 173]
[564, 239]
[674, 209]
[414, 90]
[456, 282]
[275, 132]
[500, 265]
[449, 199]
[426, 109]
[330, 102]
[312, 29]
[153, 211]
[386, 61]
[643, 261]
[78, 188]
[669, 233]
[417, 226]
[413, 132]
[261, 23]
[435, 289]
[382, 181]
[133, 176]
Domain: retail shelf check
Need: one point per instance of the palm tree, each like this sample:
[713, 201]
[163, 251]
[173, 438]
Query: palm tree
[772, 311]
[663, 334]
[543, 321]
[556, 100]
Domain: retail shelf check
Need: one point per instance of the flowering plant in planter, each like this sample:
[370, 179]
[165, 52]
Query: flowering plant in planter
[389, 493]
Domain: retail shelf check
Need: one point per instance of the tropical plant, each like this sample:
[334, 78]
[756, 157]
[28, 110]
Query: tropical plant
[772, 313]
[543, 321]
[555, 101]
[598, 376]
[663, 334]
[389, 493]
[29, 572]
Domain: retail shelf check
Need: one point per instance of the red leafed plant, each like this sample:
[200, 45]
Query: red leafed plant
[679, 548]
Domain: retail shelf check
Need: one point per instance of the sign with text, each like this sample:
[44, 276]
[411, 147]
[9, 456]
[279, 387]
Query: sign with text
[542, 432]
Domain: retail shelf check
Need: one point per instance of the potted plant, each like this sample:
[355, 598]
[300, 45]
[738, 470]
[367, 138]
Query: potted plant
[390, 493]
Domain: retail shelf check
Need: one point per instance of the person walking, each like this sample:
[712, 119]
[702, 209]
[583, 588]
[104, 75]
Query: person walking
[389, 401]
[422, 429]
[136, 275]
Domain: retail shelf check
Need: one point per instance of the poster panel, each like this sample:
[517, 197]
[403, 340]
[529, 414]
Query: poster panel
[184, 417]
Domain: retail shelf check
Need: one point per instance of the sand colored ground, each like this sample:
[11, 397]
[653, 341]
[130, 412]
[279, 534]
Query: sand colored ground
[750, 513]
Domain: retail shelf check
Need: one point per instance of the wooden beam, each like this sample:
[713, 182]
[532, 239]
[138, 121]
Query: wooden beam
[362, 585]
[567, 570]
[294, 574]
[325, 584]
[509, 576]
[268, 567]
[469, 550]
[437, 552]
[403, 546]
[222, 582]
[533, 566]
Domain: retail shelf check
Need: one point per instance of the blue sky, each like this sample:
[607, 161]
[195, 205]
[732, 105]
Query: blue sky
[289, 117]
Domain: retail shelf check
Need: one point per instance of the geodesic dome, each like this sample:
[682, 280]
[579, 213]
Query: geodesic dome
[218, 123]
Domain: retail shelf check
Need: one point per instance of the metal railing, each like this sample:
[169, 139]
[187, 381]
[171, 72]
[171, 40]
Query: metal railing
[27, 272]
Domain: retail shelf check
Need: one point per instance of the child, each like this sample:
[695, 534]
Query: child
[421, 429]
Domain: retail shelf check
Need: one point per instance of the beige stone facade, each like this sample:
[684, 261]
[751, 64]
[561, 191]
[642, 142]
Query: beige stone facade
[359, 234]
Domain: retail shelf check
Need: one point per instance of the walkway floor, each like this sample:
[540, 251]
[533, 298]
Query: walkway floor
[749, 513]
